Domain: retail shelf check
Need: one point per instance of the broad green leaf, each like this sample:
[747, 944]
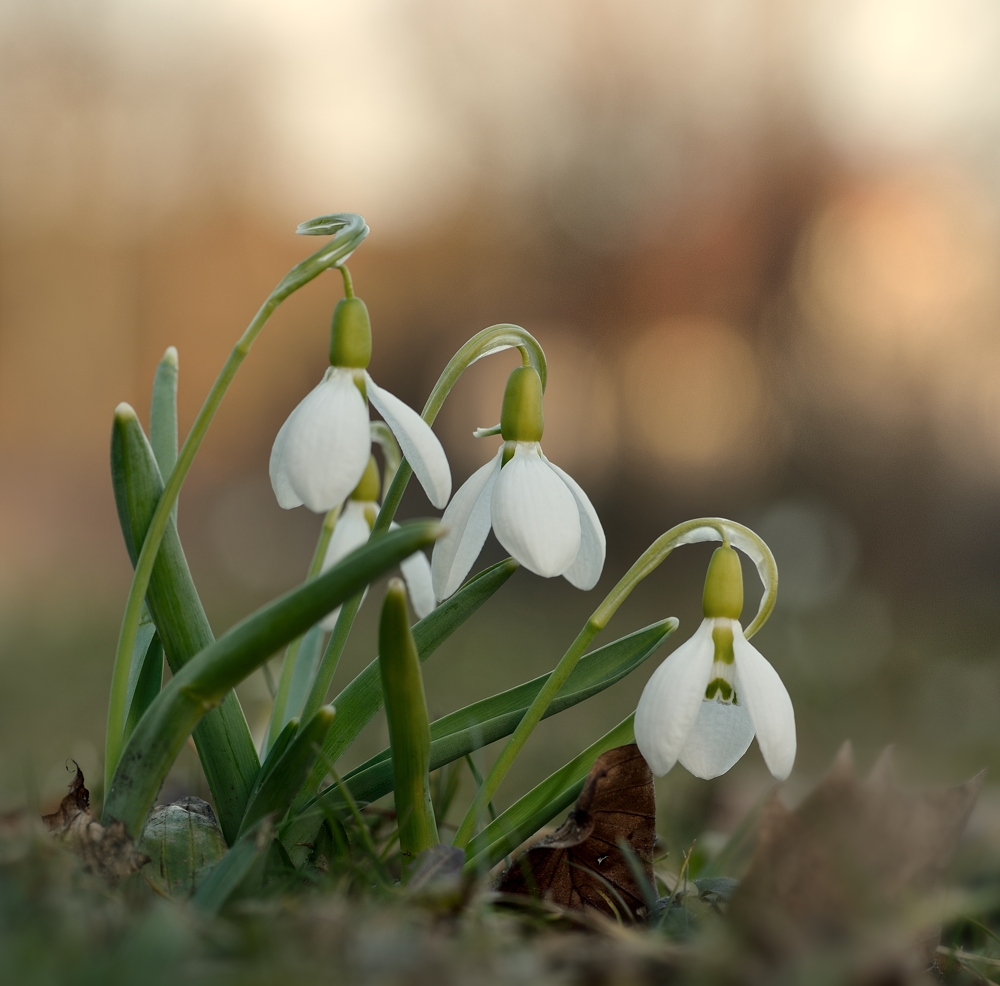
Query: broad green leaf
[204, 681]
[484, 722]
[281, 780]
[362, 698]
[145, 675]
[223, 740]
[409, 727]
[541, 804]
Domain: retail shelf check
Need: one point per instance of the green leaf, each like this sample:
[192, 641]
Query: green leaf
[281, 777]
[204, 681]
[249, 852]
[409, 727]
[541, 804]
[145, 674]
[484, 722]
[455, 735]
[223, 739]
[163, 414]
[306, 662]
[362, 698]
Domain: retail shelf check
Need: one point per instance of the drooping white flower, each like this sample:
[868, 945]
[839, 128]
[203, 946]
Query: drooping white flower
[538, 512]
[706, 701]
[353, 528]
[322, 448]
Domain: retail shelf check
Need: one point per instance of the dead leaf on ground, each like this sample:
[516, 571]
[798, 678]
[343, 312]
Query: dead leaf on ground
[580, 864]
[848, 862]
[109, 852]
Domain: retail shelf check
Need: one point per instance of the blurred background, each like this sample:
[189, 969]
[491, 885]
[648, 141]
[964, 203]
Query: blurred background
[759, 241]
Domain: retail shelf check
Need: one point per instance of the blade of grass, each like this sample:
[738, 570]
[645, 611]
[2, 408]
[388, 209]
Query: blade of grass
[204, 681]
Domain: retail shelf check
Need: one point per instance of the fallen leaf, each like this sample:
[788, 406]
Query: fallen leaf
[109, 852]
[850, 861]
[580, 865]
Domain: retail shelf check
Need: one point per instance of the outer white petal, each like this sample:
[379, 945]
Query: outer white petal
[417, 571]
[672, 699]
[322, 449]
[351, 532]
[589, 562]
[280, 483]
[767, 701]
[535, 516]
[720, 736]
[468, 522]
[418, 443]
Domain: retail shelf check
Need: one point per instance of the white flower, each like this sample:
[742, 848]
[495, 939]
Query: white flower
[322, 448]
[704, 703]
[353, 528]
[538, 513]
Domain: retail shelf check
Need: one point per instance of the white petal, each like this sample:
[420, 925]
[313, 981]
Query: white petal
[418, 443]
[280, 483]
[535, 516]
[351, 533]
[322, 449]
[766, 698]
[417, 571]
[720, 736]
[589, 562]
[671, 700]
[467, 520]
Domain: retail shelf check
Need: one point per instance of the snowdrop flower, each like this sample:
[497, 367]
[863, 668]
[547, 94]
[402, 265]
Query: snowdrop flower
[537, 511]
[353, 528]
[705, 702]
[322, 449]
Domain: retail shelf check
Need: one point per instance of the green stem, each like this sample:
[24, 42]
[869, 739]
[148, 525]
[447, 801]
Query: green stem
[490, 340]
[350, 230]
[291, 655]
[702, 529]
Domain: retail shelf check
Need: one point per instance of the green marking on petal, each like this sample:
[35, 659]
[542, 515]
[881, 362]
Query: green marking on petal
[722, 637]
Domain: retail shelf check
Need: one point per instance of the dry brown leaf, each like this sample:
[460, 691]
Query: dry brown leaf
[580, 865]
[849, 860]
[109, 852]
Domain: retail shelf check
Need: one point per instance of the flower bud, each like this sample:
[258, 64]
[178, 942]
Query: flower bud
[723, 585]
[351, 334]
[368, 487]
[522, 419]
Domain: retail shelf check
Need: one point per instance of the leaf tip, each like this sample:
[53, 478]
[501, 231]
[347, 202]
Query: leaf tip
[125, 412]
[170, 357]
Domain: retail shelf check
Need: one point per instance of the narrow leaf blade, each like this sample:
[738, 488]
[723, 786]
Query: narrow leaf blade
[282, 779]
[541, 804]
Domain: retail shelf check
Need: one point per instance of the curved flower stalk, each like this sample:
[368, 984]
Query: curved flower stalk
[353, 530]
[708, 699]
[538, 512]
[322, 449]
